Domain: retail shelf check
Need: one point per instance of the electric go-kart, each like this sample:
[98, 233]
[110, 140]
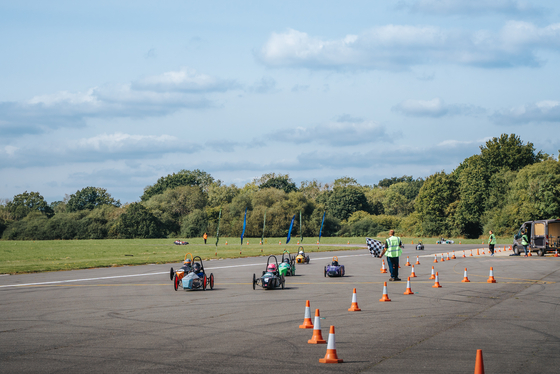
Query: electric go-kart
[196, 279]
[334, 269]
[288, 265]
[420, 246]
[271, 277]
[180, 242]
[445, 241]
[301, 258]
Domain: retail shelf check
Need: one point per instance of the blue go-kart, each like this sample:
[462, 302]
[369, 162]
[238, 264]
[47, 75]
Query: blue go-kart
[334, 269]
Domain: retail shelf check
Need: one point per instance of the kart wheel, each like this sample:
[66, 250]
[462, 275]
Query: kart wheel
[211, 281]
[171, 274]
[204, 281]
[325, 271]
[307, 260]
[175, 282]
[254, 281]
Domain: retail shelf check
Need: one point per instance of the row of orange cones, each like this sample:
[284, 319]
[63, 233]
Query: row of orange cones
[331, 357]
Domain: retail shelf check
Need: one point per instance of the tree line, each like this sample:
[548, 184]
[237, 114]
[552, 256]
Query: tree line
[507, 183]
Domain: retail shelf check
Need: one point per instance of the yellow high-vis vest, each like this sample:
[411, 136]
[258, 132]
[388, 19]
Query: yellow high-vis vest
[394, 248]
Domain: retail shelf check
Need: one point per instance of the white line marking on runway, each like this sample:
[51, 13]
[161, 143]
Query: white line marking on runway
[142, 275]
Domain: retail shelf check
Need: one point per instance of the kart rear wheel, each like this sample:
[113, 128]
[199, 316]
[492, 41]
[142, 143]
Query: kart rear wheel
[325, 271]
[254, 280]
[171, 274]
[211, 281]
[204, 281]
[307, 260]
[175, 282]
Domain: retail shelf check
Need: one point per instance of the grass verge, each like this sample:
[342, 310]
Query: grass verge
[54, 255]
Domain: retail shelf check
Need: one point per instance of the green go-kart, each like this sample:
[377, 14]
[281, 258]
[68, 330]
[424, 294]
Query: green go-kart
[288, 265]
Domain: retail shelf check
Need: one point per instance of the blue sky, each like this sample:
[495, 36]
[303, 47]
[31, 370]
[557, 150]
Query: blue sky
[117, 94]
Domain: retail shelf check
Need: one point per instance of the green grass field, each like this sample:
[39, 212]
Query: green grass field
[55, 255]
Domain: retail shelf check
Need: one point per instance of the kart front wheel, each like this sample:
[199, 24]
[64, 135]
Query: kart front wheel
[325, 271]
[171, 274]
[254, 281]
[175, 282]
[204, 281]
[211, 281]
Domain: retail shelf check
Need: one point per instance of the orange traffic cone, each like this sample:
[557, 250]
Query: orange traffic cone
[408, 290]
[483, 251]
[435, 259]
[465, 278]
[383, 270]
[280, 243]
[417, 261]
[385, 297]
[226, 242]
[412, 274]
[556, 253]
[478, 252]
[442, 259]
[354, 307]
[453, 256]
[317, 337]
[471, 253]
[307, 324]
[464, 254]
[436, 284]
[407, 262]
[491, 277]
[247, 242]
[529, 253]
[448, 256]
[479, 364]
[433, 276]
[331, 356]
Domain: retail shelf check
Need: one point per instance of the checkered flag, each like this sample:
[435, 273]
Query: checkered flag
[376, 248]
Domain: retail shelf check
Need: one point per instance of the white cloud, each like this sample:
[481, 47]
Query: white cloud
[398, 47]
[99, 148]
[152, 97]
[184, 80]
[543, 111]
[434, 108]
[471, 7]
[338, 133]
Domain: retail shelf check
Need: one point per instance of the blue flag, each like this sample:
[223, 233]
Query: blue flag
[290, 231]
[244, 225]
[322, 222]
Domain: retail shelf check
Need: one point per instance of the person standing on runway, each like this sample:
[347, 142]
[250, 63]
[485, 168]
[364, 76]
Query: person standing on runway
[393, 246]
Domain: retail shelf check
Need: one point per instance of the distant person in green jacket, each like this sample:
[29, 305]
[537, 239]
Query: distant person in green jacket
[524, 241]
[491, 242]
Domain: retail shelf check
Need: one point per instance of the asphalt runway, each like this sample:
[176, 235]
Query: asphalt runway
[130, 319]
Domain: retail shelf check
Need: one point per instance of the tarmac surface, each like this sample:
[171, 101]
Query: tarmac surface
[130, 319]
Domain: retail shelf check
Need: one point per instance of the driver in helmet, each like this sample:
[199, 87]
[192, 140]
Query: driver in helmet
[187, 265]
[197, 269]
[271, 268]
[287, 260]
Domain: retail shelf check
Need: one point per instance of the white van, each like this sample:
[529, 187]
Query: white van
[544, 236]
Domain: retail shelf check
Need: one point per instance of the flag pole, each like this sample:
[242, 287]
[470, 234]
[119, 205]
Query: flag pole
[218, 231]
[300, 231]
[264, 225]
